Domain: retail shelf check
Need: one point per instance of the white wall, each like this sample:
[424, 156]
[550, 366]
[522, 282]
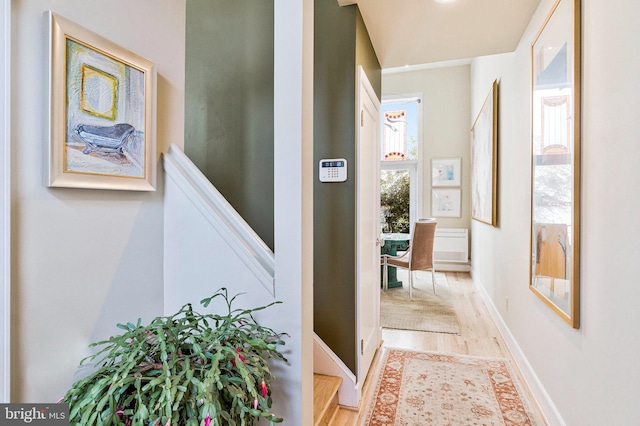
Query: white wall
[591, 374]
[83, 260]
[446, 130]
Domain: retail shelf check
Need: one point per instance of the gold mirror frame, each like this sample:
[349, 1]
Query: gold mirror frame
[555, 161]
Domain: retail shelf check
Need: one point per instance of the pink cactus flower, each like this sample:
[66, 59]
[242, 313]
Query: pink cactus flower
[255, 404]
[207, 420]
[263, 389]
[238, 349]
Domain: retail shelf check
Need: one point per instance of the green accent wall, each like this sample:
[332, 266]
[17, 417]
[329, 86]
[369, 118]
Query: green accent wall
[229, 134]
[229, 103]
[366, 56]
[341, 43]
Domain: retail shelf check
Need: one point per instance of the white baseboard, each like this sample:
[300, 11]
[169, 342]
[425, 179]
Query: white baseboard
[543, 399]
[326, 362]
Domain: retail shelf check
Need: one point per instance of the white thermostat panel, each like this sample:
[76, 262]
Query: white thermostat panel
[333, 170]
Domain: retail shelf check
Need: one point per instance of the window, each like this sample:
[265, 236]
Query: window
[399, 157]
[400, 130]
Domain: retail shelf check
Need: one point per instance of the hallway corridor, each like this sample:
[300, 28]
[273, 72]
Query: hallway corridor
[478, 336]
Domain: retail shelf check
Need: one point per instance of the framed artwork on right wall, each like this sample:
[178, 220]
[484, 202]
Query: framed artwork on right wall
[555, 162]
[445, 202]
[445, 171]
[484, 143]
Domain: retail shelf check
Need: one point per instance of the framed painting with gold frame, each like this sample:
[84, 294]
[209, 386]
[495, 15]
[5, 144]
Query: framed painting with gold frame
[555, 161]
[484, 145]
[102, 112]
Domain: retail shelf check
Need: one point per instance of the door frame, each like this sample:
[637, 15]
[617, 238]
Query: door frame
[366, 89]
[5, 199]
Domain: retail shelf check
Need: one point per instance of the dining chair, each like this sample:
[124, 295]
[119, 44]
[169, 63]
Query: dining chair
[419, 257]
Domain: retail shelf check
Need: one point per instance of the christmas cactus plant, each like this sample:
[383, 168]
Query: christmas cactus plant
[187, 369]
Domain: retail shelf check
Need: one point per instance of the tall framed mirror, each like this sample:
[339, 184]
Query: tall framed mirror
[555, 161]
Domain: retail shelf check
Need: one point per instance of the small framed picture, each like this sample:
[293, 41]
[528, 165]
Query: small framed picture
[102, 112]
[445, 202]
[445, 171]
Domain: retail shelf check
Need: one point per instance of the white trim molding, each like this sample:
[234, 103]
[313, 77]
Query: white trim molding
[293, 193]
[5, 199]
[326, 362]
[240, 237]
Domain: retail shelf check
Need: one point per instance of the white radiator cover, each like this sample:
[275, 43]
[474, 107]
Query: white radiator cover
[451, 245]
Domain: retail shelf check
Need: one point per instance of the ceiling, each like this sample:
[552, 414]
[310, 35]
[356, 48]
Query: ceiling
[418, 32]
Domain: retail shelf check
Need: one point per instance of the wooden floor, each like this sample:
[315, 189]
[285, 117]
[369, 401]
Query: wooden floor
[479, 336]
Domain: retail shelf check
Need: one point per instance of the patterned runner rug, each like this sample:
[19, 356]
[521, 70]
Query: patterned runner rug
[426, 312]
[424, 388]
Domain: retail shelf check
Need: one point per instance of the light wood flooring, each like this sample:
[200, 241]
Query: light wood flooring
[479, 336]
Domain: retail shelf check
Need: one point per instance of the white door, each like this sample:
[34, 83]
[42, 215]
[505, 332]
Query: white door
[368, 226]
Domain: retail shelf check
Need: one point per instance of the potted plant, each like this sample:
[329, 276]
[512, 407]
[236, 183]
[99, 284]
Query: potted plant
[187, 369]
